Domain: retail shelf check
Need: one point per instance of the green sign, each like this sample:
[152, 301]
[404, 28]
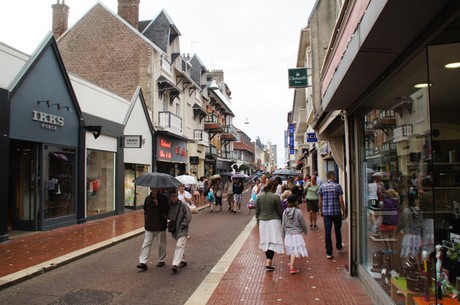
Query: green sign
[298, 78]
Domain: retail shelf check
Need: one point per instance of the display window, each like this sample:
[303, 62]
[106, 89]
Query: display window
[59, 172]
[100, 184]
[410, 177]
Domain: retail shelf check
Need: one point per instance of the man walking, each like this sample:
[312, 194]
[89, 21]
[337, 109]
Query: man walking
[332, 208]
[179, 216]
[155, 221]
[229, 188]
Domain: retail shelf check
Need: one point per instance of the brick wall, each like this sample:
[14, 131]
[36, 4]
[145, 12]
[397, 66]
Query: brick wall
[103, 50]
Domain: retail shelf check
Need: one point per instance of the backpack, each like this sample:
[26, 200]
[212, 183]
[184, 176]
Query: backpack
[210, 197]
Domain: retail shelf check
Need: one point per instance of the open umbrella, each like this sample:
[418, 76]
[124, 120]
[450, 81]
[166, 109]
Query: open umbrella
[239, 175]
[187, 179]
[381, 174]
[284, 172]
[229, 174]
[216, 176]
[157, 180]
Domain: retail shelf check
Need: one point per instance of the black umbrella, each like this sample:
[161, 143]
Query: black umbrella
[229, 174]
[157, 180]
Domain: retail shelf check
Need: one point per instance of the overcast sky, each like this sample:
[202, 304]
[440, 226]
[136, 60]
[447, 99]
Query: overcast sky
[254, 42]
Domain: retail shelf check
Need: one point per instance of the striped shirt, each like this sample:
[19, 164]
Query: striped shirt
[330, 193]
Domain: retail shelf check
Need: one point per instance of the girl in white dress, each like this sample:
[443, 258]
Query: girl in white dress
[293, 226]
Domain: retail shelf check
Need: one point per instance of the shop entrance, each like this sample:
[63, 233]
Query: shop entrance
[24, 195]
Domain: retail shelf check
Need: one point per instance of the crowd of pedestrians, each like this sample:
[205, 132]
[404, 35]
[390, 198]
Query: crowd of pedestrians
[276, 202]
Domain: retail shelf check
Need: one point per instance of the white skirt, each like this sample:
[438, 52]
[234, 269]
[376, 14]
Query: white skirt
[271, 237]
[295, 244]
[411, 245]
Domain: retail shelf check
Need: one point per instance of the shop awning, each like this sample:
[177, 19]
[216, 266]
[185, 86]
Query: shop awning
[378, 42]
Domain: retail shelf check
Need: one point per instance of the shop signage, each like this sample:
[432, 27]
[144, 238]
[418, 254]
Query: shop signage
[132, 141]
[170, 149]
[291, 138]
[298, 78]
[47, 121]
[194, 160]
[311, 137]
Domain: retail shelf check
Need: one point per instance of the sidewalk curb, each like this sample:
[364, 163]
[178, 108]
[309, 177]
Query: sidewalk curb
[41, 268]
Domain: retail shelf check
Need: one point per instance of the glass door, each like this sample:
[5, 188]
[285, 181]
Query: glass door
[26, 180]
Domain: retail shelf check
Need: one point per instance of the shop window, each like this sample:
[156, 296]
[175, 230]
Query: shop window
[100, 182]
[410, 177]
[59, 170]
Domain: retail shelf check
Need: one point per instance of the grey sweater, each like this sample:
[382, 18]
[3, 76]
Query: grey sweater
[293, 222]
[184, 216]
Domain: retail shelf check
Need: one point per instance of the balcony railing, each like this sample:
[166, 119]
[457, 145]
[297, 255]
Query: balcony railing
[201, 136]
[226, 154]
[211, 118]
[402, 132]
[211, 150]
[388, 147]
[169, 120]
[230, 133]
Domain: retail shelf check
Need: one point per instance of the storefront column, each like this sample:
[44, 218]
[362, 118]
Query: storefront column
[4, 162]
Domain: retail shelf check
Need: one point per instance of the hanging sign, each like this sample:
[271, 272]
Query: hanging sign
[298, 78]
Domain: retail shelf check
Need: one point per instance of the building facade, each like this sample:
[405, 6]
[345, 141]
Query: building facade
[385, 100]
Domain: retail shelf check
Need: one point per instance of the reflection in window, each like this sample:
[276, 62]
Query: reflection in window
[60, 181]
[100, 182]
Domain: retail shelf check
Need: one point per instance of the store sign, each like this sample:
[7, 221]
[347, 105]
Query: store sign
[298, 78]
[291, 138]
[47, 121]
[170, 149]
[132, 141]
[311, 137]
[194, 160]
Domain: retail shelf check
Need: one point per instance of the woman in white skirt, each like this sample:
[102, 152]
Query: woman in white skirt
[268, 214]
[293, 226]
[411, 225]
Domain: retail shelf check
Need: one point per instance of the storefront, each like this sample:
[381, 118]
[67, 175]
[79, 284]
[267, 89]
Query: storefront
[138, 147]
[402, 139]
[171, 154]
[43, 150]
[410, 138]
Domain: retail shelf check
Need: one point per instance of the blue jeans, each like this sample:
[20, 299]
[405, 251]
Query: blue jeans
[337, 221]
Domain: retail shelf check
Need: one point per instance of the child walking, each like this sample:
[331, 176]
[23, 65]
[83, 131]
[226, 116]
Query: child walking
[294, 225]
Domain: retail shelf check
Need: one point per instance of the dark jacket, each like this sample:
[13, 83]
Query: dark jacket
[155, 216]
[238, 187]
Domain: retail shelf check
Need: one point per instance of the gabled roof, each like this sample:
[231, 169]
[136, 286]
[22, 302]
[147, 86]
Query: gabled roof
[197, 69]
[136, 31]
[161, 31]
[48, 43]
[138, 96]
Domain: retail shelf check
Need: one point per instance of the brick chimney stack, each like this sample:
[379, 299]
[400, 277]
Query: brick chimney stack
[60, 18]
[129, 10]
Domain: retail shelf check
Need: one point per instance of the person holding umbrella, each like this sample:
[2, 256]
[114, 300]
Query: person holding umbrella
[179, 219]
[156, 209]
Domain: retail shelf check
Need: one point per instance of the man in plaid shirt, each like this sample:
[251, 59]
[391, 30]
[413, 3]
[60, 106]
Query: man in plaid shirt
[332, 208]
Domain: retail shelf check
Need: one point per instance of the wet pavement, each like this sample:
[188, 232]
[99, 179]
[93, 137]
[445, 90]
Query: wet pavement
[238, 278]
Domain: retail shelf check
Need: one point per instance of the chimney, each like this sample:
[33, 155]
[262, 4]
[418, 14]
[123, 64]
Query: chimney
[129, 10]
[60, 18]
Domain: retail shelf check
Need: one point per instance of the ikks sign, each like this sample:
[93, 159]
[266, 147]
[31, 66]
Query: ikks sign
[47, 121]
[298, 78]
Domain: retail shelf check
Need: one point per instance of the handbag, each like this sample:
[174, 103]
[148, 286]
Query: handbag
[194, 209]
[172, 223]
